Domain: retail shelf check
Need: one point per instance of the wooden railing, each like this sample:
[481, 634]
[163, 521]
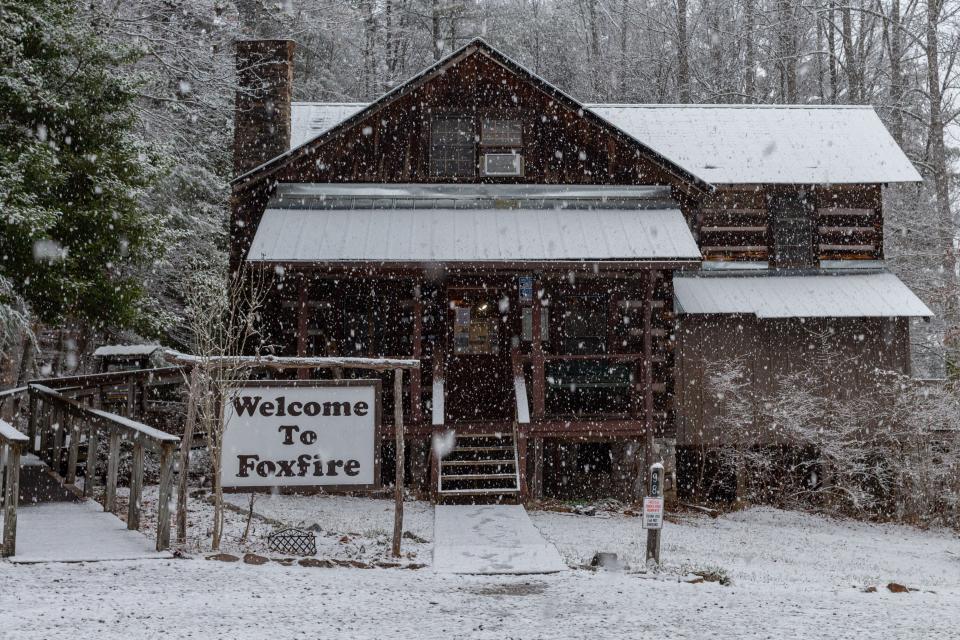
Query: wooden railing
[12, 443]
[59, 423]
[540, 381]
[128, 392]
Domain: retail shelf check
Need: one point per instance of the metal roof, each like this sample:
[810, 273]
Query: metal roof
[310, 119]
[728, 144]
[468, 196]
[847, 295]
[511, 235]
[768, 144]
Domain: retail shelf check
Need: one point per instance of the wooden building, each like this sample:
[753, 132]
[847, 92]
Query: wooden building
[561, 269]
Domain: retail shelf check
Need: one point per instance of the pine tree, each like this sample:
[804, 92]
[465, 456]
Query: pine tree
[74, 238]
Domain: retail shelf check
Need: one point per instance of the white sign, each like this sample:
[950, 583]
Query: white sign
[299, 434]
[653, 513]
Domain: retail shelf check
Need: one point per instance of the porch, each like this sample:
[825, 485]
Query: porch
[565, 337]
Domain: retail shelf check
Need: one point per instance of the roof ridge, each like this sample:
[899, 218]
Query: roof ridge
[641, 105]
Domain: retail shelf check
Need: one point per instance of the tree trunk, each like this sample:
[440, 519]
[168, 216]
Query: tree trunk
[750, 54]
[622, 76]
[895, 40]
[787, 46]
[832, 48]
[938, 156]
[435, 31]
[683, 53]
[850, 62]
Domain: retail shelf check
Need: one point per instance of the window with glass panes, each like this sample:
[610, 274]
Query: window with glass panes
[452, 147]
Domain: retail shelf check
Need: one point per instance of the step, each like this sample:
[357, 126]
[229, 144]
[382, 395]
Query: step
[478, 492]
[458, 448]
[479, 476]
[477, 463]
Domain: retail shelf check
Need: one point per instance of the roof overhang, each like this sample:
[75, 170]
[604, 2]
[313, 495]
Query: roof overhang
[482, 225]
[847, 295]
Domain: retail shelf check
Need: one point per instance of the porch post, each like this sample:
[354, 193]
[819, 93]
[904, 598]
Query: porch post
[537, 364]
[303, 374]
[648, 288]
[416, 400]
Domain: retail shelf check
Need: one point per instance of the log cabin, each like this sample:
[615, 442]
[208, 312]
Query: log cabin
[563, 271]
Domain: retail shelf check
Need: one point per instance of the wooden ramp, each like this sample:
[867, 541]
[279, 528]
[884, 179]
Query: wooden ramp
[490, 539]
[77, 532]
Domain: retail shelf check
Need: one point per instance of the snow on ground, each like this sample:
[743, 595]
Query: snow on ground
[792, 575]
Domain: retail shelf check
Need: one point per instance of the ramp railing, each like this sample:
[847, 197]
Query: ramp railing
[11, 445]
[59, 425]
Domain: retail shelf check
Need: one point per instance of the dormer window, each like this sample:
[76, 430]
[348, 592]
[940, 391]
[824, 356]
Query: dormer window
[452, 147]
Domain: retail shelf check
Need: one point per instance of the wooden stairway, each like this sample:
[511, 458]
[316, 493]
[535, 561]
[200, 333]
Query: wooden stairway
[481, 468]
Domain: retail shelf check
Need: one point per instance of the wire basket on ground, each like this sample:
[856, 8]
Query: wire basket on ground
[293, 541]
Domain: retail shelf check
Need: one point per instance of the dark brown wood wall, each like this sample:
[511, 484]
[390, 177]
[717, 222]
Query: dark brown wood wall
[392, 145]
[734, 223]
[769, 349]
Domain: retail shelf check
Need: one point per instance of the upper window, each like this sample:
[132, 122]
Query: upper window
[501, 133]
[793, 230]
[452, 147]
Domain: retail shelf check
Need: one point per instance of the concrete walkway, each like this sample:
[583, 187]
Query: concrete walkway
[77, 532]
[490, 539]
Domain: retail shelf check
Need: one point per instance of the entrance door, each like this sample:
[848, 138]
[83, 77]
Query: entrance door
[478, 384]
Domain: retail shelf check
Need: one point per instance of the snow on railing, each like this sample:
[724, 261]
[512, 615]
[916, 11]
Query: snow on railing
[61, 422]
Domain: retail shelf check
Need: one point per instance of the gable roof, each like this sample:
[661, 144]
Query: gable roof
[768, 144]
[729, 144]
[477, 45]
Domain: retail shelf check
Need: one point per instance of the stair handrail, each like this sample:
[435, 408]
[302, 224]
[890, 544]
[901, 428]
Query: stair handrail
[49, 407]
[11, 447]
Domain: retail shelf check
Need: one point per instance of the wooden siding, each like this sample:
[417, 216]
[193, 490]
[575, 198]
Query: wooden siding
[769, 349]
[561, 144]
[733, 224]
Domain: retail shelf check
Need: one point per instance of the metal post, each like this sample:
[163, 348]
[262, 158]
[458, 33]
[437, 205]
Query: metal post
[653, 513]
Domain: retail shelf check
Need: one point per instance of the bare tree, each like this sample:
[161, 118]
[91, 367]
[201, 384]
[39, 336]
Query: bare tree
[224, 324]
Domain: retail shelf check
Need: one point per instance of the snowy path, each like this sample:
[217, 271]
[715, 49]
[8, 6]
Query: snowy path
[77, 532]
[490, 539]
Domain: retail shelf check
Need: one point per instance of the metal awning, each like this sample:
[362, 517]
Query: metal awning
[492, 235]
[878, 295]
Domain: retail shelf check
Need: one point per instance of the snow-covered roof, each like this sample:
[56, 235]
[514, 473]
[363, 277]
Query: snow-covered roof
[398, 235]
[310, 119]
[125, 350]
[768, 144]
[727, 144]
[879, 295]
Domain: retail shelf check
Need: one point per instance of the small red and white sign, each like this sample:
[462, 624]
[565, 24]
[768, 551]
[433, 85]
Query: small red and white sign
[653, 513]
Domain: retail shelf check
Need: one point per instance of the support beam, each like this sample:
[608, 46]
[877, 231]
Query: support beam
[11, 495]
[537, 362]
[136, 488]
[302, 318]
[113, 466]
[648, 289]
[398, 487]
[416, 400]
[163, 499]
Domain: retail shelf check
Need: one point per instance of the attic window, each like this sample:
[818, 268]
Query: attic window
[452, 147]
[501, 133]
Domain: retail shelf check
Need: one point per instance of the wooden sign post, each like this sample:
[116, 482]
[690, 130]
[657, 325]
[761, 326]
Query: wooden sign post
[398, 489]
[653, 513]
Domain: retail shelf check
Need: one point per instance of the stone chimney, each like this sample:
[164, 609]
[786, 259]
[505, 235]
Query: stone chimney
[261, 126]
